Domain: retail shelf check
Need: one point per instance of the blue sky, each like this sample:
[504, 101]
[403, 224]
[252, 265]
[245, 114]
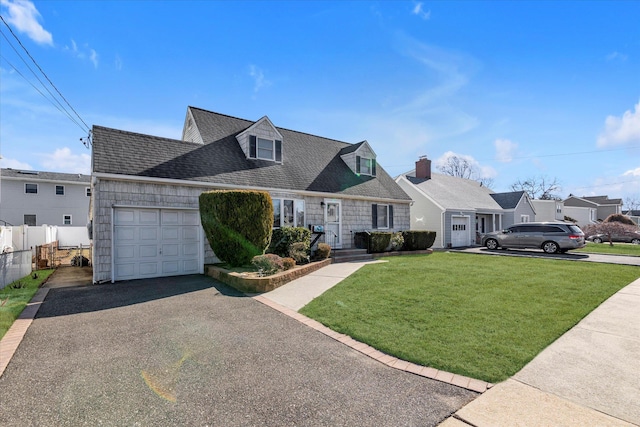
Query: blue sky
[522, 89]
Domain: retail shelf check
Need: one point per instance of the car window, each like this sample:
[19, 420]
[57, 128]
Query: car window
[553, 229]
[516, 229]
[575, 229]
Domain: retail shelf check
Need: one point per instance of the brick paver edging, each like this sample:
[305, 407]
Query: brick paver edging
[11, 340]
[424, 371]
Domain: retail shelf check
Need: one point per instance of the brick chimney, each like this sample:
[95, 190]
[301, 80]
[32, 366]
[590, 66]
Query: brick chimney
[423, 168]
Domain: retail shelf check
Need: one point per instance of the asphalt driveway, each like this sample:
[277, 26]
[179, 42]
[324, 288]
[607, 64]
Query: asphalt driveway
[191, 351]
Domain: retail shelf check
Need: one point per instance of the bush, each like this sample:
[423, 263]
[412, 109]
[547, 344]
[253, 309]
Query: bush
[237, 224]
[397, 242]
[283, 238]
[418, 240]
[323, 251]
[268, 264]
[299, 251]
[288, 263]
[379, 241]
[619, 218]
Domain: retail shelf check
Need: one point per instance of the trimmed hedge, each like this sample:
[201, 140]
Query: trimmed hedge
[283, 238]
[237, 224]
[379, 241]
[418, 240]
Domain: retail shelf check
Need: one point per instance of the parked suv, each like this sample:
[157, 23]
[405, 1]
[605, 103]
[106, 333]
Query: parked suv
[551, 237]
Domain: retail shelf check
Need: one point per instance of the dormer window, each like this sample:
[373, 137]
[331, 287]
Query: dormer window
[365, 166]
[265, 149]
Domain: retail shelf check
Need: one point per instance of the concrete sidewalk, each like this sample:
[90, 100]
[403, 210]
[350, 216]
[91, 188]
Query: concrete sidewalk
[589, 376]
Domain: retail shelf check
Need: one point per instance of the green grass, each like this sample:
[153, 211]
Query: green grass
[15, 296]
[606, 248]
[480, 316]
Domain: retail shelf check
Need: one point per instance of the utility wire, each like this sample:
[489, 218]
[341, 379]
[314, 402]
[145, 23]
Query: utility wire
[87, 128]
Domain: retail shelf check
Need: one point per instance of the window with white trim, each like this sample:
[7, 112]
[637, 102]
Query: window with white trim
[265, 149]
[381, 216]
[365, 166]
[66, 220]
[559, 208]
[524, 218]
[88, 191]
[31, 188]
[59, 190]
[288, 213]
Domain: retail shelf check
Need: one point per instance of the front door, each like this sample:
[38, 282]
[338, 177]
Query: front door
[333, 223]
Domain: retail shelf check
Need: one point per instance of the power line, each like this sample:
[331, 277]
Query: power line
[87, 128]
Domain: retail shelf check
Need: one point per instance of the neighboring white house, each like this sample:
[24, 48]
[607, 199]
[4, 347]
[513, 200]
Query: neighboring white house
[603, 205]
[145, 216]
[549, 210]
[582, 215]
[36, 198]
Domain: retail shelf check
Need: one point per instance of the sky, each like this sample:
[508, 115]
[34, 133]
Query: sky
[540, 89]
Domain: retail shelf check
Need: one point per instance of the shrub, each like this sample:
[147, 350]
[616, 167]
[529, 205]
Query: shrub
[283, 238]
[361, 240]
[268, 264]
[379, 241]
[418, 240]
[323, 251]
[288, 263]
[299, 251]
[397, 242]
[237, 224]
[619, 218]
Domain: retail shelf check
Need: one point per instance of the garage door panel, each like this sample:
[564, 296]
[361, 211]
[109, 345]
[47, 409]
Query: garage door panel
[155, 242]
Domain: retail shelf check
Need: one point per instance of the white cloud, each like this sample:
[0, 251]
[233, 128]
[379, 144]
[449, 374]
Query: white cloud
[621, 130]
[24, 16]
[617, 56]
[259, 81]
[504, 150]
[118, 63]
[632, 172]
[63, 160]
[84, 52]
[418, 10]
[15, 164]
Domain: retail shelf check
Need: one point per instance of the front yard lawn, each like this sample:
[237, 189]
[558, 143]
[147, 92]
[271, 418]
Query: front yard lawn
[15, 296]
[606, 248]
[479, 316]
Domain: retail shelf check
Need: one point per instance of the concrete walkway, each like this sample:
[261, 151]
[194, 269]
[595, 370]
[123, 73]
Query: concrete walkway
[589, 376]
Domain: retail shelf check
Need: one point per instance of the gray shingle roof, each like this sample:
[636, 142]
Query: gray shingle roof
[452, 192]
[45, 176]
[310, 163]
[603, 200]
[508, 200]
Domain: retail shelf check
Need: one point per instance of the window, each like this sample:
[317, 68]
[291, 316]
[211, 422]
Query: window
[288, 213]
[381, 216]
[365, 166]
[524, 218]
[59, 190]
[459, 227]
[265, 149]
[31, 188]
[558, 208]
[66, 220]
[88, 191]
[29, 220]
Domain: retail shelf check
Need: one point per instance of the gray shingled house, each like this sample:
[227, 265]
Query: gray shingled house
[517, 207]
[145, 190]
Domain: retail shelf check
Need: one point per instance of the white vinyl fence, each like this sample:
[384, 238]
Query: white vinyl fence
[25, 237]
[14, 266]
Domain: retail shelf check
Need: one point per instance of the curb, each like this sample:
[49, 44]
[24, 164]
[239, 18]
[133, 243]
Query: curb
[446, 377]
[12, 339]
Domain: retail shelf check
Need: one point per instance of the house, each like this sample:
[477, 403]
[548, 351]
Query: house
[145, 215]
[36, 198]
[549, 210]
[603, 206]
[517, 207]
[457, 209]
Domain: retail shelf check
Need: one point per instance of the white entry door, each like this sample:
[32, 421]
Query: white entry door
[333, 223]
[460, 231]
[156, 243]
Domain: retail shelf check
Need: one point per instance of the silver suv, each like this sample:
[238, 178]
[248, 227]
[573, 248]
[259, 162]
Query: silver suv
[551, 237]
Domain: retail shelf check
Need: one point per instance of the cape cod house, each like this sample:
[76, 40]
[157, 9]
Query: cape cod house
[145, 190]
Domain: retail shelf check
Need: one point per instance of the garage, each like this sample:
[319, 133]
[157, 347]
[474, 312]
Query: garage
[156, 243]
[460, 231]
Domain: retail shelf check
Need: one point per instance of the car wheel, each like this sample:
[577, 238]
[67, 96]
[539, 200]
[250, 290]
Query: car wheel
[597, 240]
[635, 241]
[491, 244]
[550, 247]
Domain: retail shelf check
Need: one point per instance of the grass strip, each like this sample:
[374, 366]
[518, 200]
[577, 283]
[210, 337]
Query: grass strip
[15, 296]
[605, 248]
[480, 316]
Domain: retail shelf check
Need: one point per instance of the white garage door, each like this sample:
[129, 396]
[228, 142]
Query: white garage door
[460, 231]
[156, 243]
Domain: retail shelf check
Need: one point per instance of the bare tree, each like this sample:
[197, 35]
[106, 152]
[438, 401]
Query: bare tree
[539, 187]
[632, 202]
[463, 167]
